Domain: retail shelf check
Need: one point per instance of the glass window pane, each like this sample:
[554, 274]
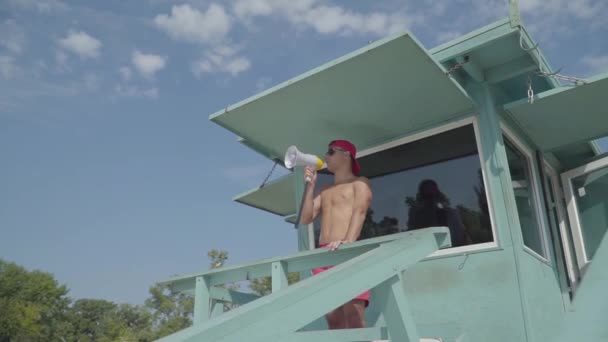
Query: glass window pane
[435, 181]
[591, 193]
[519, 167]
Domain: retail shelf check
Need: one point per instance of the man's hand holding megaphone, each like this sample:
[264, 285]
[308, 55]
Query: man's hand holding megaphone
[310, 175]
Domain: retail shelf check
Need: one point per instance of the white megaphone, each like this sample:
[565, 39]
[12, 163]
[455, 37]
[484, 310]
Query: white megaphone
[293, 158]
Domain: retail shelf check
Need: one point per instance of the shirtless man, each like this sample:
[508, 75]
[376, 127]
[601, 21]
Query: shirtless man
[342, 207]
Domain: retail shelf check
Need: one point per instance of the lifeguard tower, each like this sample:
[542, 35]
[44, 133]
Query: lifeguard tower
[509, 143]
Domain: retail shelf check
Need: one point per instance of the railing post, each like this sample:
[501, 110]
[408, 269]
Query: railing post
[202, 300]
[396, 310]
[279, 275]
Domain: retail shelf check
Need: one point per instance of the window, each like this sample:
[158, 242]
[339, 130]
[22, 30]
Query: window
[430, 182]
[586, 191]
[523, 187]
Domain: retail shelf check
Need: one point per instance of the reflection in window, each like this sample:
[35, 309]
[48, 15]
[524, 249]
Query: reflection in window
[519, 167]
[436, 181]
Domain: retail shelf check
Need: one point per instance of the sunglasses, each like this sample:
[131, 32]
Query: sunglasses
[331, 151]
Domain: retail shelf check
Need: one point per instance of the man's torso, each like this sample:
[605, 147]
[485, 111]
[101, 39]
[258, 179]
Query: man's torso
[336, 210]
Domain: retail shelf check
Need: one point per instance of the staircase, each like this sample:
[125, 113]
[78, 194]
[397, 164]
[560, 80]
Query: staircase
[370, 264]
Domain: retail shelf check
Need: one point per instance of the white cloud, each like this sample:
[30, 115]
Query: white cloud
[81, 44]
[42, 6]
[12, 36]
[244, 9]
[8, 68]
[191, 25]
[125, 72]
[133, 91]
[148, 64]
[549, 18]
[596, 64]
[221, 59]
[325, 19]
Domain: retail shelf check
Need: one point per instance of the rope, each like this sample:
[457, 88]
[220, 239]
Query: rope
[268, 175]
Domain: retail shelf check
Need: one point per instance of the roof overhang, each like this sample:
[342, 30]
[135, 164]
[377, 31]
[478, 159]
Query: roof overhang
[383, 91]
[565, 115]
[277, 196]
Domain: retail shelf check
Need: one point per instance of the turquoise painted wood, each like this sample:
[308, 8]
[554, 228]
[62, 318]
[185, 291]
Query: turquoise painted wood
[202, 300]
[555, 109]
[396, 309]
[302, 261]
[217, 308]
[277, 316]
[230, 296]
[587, 321]
[279, 275]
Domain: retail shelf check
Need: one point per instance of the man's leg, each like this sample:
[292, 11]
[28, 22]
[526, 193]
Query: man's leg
[336, 319]
[354, 312]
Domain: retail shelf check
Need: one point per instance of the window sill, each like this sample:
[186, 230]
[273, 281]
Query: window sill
[464, 250]
[537, 256]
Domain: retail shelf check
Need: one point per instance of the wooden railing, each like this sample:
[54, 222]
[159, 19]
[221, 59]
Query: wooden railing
[373, 263]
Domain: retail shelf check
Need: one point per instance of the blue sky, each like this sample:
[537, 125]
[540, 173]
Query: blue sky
[112, 177]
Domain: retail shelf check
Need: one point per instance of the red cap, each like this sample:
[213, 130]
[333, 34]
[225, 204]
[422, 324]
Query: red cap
[348, 146]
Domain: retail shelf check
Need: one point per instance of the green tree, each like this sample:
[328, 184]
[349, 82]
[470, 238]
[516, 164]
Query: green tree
[171, 311]
[94, 320]
[32, 304]
[217, 258]
[263, 286]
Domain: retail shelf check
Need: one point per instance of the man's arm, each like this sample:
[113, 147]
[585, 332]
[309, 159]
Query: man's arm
[311, 207]
[362, 201]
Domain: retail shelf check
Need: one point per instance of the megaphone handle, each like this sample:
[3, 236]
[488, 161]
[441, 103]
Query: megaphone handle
[308, 179]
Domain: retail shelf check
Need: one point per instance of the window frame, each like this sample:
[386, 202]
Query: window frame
[535, 187]
[573, 210]
[562, 225]
[471, 120]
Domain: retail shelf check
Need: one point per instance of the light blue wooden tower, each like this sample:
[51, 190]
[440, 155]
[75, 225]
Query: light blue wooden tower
[510, 144]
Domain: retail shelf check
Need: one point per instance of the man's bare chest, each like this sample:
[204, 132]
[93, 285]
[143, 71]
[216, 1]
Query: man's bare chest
[341, 194]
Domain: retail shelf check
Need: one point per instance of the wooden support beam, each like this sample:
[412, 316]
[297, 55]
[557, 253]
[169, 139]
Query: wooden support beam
[202, 300]
[279, 275]
[514, 68]
[232, 296]
[217, 308]
[396, 310]
[472, 69]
